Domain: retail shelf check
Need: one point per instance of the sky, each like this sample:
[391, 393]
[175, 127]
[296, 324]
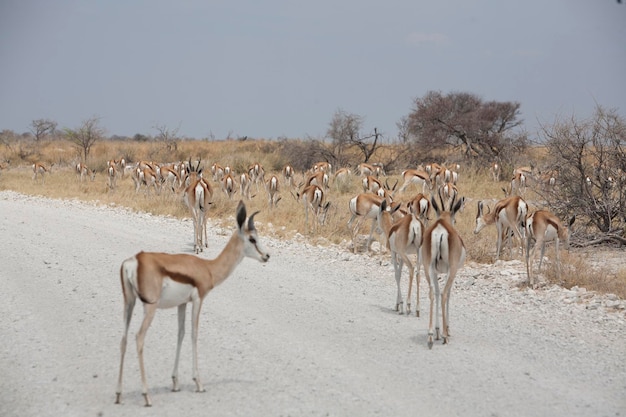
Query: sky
[283, 68]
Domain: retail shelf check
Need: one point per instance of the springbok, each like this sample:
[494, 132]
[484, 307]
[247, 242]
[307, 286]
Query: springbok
[257, 174]
[342, 178]
[447, 193]
[170, 177]
[162, 280]
[272, 188]
[404, 238]
[229, 186]
[288, 175]
[39, 169]
[508, 215]
[217, 172]
[518, 184]
[82, 171]
[321, 179]
[244, 185]
[148, 177]
[443, 252]
[419, 206]
[364, 206]
[417, 177]
[313, 198]
[197, 196]
[366, 169]
[322, 167]
[495, 171]
[112, 174]
[543, 226]
[371, 184]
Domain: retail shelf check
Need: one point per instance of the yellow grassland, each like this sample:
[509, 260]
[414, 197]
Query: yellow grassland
[284, 221]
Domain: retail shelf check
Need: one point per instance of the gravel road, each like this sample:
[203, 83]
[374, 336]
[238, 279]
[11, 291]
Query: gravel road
[312, 332]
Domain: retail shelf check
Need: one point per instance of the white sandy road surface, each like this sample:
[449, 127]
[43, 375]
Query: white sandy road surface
[310, 333]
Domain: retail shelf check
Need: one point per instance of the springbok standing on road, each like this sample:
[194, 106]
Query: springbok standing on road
[162, 280]
[443, 252]
[404, 238]
[364, 206]
[197, 196]
[543, 226]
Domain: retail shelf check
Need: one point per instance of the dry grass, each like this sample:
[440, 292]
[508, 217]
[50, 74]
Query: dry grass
[578, 269]
[287, 219]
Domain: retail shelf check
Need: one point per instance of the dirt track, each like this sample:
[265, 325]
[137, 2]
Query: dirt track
[309, 333]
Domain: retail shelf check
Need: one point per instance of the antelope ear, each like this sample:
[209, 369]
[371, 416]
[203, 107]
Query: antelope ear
[241, 214]
[572, 220]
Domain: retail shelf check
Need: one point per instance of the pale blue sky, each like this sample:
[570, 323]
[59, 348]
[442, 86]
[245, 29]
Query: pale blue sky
[283, 68]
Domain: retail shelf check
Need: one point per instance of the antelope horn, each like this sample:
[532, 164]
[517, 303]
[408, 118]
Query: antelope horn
[251, 220]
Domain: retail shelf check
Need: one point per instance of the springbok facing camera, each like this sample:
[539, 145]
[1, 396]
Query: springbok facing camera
[162, 280]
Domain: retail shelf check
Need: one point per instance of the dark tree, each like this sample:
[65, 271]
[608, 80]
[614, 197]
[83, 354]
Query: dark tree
[483, 129]
[139, 137]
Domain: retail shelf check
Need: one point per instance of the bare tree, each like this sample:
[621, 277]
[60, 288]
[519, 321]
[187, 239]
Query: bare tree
[8, 138]
[482, 128]
[169, 137]
[344, 131]
[86, 135]
[42, 127]
[588, 159]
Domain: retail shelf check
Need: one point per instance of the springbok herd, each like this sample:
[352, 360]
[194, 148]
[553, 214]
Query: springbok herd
[162, 280]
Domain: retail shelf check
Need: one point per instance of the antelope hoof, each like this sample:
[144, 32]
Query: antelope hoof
[147, 398]
[199, 387]
[118, 398]
[436, 333]
[430, 340]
